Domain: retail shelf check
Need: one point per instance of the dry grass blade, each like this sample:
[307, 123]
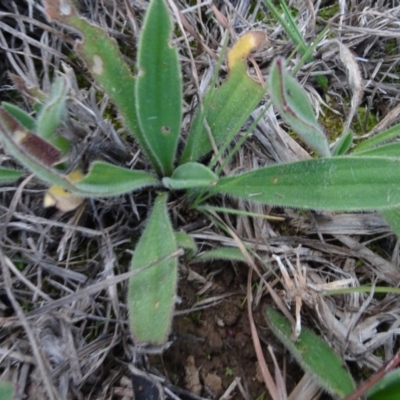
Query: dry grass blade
[94, 288]
[39, 359]
[306, 389]
[269, 382]
[355, 82]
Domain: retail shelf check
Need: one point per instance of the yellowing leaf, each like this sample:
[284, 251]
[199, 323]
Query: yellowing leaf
[249, 42]
[62, 199]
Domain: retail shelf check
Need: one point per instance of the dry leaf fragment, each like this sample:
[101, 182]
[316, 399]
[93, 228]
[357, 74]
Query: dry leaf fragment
[355, 81]
[62, 199]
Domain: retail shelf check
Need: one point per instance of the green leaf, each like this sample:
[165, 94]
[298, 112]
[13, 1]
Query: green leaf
[388, 388]
[343, 145]
[20, 115]
[6, 391]
[104, 179]
[392, 217]
[9, 175]
[387, 150]
[340, 183]
[314, 355]
[294, 33]
[222, 253]
[289, 25]
[292, 103]
[186, 242]
[53, 111]
[225, 111]
[159, 86]
[380, 138]
[190, 175]
[105, 63]
[151, 294]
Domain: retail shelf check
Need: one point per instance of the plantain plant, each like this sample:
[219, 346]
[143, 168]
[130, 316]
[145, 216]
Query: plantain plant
[150, 103]
[328, 369]
[312, 353]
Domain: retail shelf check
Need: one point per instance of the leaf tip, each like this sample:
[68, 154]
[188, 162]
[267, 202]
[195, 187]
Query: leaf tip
[56, 196]
[249, 42]
[64, 201]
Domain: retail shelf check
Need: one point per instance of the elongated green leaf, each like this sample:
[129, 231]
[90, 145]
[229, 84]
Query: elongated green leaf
[392, 217]
[6, 391]
[388, 388]
[288, 25]
[190, 175]
[314, 355]
[226, 110]
[222, 253]
[340, 183]
[292, 103]
[151, 294]
[104, 179]
[378, 139]
[105, 63]
[159, 86]
[52, 114]
[343, 145]
[387, 150]
[9, 175]
[20, 115]
[291, 29]
[186, 242]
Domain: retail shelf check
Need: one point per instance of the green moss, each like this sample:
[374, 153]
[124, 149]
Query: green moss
[364, 123]
[332, 123]
[359, 263]
[391, 46]
[302, 213]
[329, 12]
[20, 265]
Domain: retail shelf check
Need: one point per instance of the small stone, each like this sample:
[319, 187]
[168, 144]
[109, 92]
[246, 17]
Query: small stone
[215, 341]
[192, 378]
[214, 383]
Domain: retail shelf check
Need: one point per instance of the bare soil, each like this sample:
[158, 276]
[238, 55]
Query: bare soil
[217, 341]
